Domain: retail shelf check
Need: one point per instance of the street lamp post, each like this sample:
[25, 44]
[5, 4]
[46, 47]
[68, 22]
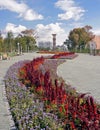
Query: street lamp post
[21, 50]
[18, 48]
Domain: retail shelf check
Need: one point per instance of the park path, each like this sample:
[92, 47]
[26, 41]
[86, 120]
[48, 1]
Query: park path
[83, 73]
[6, 122]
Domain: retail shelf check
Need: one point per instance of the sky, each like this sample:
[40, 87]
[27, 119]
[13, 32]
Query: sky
[48, 17]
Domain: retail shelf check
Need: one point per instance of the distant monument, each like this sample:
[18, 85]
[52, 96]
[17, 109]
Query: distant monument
[54, 41]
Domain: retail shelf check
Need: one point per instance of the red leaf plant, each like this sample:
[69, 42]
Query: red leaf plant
[76, 111]
[63, 55]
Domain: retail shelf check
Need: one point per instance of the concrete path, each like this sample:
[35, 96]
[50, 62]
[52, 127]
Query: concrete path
[6, 122]
[83, 73]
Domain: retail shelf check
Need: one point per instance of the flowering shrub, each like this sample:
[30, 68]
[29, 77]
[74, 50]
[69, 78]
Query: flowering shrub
[64, 55]
[43, 94]
[59, 55]
[76, 111]
[50, 52]
[26, 109]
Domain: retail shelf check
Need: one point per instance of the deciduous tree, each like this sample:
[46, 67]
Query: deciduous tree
[80, 36]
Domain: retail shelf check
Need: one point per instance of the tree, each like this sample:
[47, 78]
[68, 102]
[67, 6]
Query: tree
[29, 32]
[9, 41]
[27, 42]
[81, 36]
[30, 38]
[30, 42]
[69, 44]
[1, 43]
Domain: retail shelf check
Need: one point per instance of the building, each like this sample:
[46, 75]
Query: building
[45, 44]
[97, 40]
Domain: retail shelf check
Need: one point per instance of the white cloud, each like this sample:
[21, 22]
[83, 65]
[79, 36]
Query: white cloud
[21, 8]
[30, 15]
[96, 31]
[71, 10]
[14, 28]
[45, 33]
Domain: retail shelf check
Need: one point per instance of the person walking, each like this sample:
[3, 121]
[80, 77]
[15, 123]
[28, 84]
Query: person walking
[92, 47]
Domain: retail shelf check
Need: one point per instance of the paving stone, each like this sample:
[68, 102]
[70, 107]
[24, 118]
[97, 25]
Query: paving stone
[83, 73]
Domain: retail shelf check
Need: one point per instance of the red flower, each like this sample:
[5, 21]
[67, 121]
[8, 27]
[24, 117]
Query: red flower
[60, 109]
[72, 125]
[39, 90]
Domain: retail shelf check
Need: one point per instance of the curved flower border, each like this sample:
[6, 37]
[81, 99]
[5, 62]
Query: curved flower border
[35, 83]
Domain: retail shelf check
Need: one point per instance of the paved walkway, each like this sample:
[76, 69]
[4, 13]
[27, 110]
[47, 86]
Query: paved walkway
[83, 73]
[6, 122]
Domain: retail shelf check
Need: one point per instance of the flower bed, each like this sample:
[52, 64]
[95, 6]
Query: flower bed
[26, 108]
[62, 55]
[63, 105]
[49, 52]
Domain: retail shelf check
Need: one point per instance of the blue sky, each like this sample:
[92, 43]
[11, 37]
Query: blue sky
[49, 16]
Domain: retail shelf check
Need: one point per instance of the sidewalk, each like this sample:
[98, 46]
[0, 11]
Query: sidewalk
[83, 73]
[6, 122]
